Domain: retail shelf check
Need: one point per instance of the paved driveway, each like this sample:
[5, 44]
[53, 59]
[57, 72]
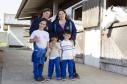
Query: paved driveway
[17, 69]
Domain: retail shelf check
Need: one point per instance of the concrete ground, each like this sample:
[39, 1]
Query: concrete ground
[17, 69]
[1, 64]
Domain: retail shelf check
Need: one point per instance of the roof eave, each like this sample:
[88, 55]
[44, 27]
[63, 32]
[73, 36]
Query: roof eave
[23, 3]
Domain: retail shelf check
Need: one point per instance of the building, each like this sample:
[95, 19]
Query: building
[16, 30]
[107, 53]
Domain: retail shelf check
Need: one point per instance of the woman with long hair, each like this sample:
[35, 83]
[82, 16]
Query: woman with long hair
[61, 24]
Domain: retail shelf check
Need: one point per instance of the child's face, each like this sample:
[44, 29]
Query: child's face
[42, 25]
[67, 36]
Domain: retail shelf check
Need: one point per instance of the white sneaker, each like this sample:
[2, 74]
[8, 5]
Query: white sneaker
[63, 79]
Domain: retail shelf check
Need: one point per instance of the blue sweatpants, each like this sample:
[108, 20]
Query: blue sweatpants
[37, 70]
[53, 62]
[70, 68]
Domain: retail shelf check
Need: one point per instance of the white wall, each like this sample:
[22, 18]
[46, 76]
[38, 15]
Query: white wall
[10, 19]
[69, 11]
[92, 47]
[15, 36]
[3, 39]
[91, 42]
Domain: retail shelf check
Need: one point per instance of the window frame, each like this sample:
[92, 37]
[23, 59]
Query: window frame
[75, 8]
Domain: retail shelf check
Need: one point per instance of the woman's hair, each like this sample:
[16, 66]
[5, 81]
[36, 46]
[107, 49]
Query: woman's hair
[45, 10]
[57, 15]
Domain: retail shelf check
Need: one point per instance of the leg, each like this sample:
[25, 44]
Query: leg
[63, 69]
[40, 68]
[70, 69]
[36, 71]
[74, 68]
[75, 74]
[50, 68]
[57, 66]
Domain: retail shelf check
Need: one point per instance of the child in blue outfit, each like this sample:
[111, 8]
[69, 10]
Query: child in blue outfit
[54, 58]
[41, 40]
[68, 54]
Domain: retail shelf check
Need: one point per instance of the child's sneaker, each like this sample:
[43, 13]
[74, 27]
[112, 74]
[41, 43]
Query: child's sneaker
[73, 79]
[40, 79]
[63, 79]
[48, 79]
[58, 78]
[76, 75]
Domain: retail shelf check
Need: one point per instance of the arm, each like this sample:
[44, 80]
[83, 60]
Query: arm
[48, 47]
[74, 32]
[74, 50]
[33, 38]
[48, 51]
[60, 50]
[50, 29]
[34, 25]
[54, 29]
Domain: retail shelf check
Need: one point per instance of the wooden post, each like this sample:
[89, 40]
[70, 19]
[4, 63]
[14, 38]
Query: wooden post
[55, 7]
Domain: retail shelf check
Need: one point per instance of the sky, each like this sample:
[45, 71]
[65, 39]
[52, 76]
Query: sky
[9, 6]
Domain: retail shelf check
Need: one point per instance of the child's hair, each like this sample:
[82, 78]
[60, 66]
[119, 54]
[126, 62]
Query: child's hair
[55, 36]
[47, 9]
[67, 32]
[43, 19]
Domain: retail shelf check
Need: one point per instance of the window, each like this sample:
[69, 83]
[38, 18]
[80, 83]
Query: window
[77, 13]
[116, 3]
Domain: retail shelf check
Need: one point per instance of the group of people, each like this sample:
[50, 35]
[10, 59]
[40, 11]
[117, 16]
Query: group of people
[56, 41]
